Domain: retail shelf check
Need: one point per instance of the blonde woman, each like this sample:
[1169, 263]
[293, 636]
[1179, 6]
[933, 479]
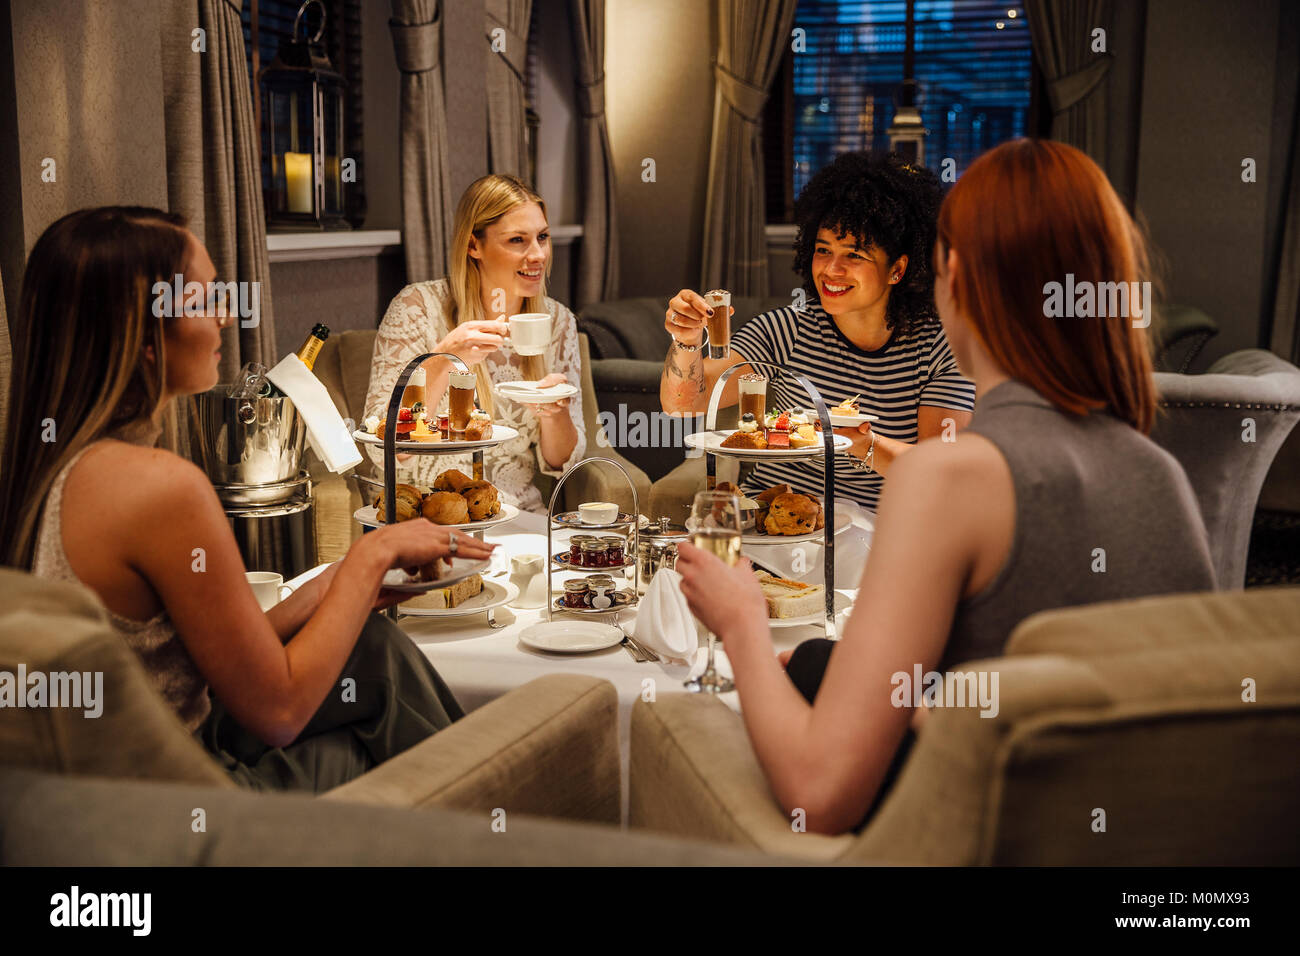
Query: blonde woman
[500, 258]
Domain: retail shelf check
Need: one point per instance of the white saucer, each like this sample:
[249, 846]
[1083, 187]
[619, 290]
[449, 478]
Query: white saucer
[852, 421]
[570, 637]
[529, 394]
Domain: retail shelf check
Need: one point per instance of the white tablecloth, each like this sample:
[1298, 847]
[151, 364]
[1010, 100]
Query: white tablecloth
[481, 664]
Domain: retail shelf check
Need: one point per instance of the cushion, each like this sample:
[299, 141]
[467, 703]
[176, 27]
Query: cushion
[51, 627]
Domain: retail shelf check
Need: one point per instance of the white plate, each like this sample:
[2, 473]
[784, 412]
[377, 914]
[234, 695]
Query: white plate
[852, 421]
[528, 393]
[570, 637]
[370, 518]
[712, 441]
[494, 594]
[461, 568]
[842, 520]
[500, 433]
[572, 519]
[842, 604]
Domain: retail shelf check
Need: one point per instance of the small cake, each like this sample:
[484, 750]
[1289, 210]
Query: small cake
[479, 427]
[748, 435]
[803, 436]
[848, 407]
[778, 433]
[421, 431]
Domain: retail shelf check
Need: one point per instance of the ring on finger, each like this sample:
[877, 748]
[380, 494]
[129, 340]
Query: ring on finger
[452, 544]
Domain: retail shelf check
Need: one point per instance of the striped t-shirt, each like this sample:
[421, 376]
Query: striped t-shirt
[912, 369]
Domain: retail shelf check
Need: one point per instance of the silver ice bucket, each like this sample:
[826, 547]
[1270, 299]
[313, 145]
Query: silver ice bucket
[250, 449]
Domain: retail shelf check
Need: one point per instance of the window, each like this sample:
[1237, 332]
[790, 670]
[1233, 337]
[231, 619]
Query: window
[267, 22]
[972, 64]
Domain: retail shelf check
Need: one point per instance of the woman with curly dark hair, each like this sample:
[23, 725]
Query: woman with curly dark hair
[866, 228]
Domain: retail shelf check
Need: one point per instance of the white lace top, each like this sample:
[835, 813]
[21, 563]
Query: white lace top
[418, 318]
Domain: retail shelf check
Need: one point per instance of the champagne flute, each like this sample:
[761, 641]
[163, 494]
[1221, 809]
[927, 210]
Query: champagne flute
[715, 527]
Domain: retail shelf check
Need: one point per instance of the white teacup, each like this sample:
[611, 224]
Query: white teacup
[267, 586]
[530, 332]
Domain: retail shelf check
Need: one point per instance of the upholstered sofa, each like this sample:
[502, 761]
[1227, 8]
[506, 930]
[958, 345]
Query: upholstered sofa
[343, 366]
[1154, 732]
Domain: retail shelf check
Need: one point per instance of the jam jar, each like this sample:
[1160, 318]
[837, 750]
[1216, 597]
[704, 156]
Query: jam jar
[575, 547]
[576, 593]
[601, 584]
[595, 554]
[614, 545]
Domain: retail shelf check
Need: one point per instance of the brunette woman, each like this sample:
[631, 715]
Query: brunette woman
[1053, 497]
[86, 497]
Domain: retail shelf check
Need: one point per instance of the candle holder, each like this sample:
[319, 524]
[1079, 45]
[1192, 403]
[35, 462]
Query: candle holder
[302, 133]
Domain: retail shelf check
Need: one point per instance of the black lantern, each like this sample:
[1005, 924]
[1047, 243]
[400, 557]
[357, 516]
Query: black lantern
[302, 133]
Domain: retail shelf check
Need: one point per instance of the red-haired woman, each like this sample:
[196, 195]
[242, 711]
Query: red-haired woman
[1054, 496]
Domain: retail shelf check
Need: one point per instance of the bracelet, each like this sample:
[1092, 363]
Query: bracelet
[686, 348]
[867, 463]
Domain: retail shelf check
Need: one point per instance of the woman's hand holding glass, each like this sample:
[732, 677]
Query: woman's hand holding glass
[687, 316]
[705, 578]
[472, 342]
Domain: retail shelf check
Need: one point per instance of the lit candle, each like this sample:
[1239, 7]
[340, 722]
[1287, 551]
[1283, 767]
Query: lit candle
[297, 177]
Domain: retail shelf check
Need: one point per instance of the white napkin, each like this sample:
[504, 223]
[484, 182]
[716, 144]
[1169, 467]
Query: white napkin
[326, 431]
[664, 622]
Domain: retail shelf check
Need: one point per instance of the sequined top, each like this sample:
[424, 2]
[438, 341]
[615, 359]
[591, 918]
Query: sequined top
[154, 641]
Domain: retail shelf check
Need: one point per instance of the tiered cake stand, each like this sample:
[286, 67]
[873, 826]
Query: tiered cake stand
[475, 449]
[826, 453]
[570, 521]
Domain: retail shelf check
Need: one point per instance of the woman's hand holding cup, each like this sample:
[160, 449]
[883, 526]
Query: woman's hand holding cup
[472, 342]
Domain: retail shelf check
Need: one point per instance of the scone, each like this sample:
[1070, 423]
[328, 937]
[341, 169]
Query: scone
[446, 507]
[451, 480]
[482, 499]
[409, 501]
[792, 514]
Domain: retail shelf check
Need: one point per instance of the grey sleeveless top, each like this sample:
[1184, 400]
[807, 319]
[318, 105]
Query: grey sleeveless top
[1091, 493]
[155, 641]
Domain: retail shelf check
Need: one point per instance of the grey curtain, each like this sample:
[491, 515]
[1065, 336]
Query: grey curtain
[506, 119]
[6, 366]
[752, 38]
[427, 209]
[598, 251]
[1061, 32]
[1285, 336]
[213, 159]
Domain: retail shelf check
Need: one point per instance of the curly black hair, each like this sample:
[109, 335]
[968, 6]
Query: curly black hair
[879, 199]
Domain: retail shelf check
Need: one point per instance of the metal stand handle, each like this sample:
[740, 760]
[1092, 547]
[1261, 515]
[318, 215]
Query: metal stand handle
[828, 470]
[635, 537]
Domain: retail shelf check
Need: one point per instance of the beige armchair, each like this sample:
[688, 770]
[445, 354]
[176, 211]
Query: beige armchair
[549, 748]
[1135, 709]
[343, 366]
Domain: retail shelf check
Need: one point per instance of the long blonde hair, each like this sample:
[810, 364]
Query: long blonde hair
[485, 201]
[84, 317]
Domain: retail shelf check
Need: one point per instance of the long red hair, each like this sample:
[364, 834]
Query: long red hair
[1026, 215]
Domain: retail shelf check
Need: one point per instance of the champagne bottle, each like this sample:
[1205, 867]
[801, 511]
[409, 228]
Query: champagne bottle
[311, 348]
[307, 353]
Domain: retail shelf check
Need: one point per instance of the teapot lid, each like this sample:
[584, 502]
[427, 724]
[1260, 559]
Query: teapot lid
[663, 532]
